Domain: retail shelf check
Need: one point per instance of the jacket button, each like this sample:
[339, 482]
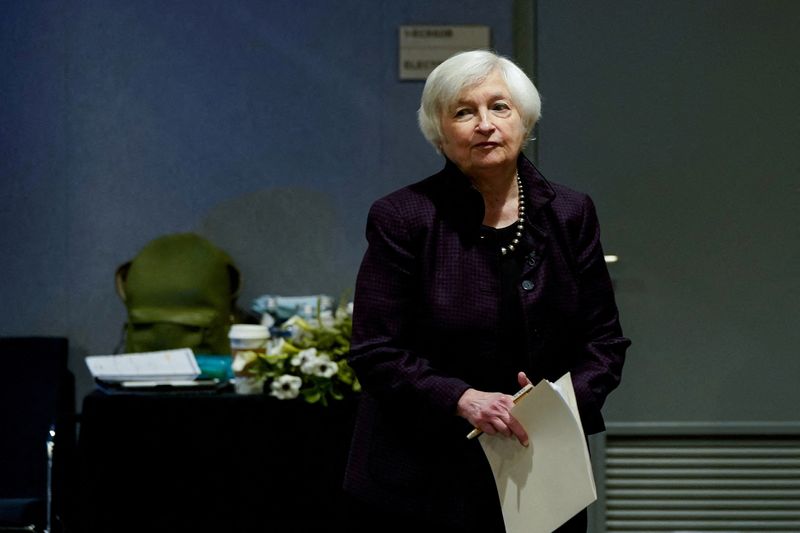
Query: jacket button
[531, 260]
[527, 285]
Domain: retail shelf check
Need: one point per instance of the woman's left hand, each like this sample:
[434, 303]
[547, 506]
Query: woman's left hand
[491, 413]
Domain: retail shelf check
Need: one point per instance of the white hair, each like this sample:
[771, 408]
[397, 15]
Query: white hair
[468, 69]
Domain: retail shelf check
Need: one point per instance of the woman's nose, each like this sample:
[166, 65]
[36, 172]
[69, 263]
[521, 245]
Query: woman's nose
[485, 124]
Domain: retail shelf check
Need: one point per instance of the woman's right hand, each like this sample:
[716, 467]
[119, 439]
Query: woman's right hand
[491, 413]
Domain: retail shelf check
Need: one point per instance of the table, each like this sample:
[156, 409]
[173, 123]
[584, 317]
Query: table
[218, 462]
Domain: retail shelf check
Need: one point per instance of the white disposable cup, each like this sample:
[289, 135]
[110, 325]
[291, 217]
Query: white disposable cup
[248, 338]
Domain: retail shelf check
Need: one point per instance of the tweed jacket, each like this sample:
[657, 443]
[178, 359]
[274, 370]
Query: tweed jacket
[426, 326]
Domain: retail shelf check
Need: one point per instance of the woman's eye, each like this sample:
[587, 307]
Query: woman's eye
[461, 113]
[501, 106]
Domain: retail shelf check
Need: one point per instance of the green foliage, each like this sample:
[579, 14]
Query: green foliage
[307, 359]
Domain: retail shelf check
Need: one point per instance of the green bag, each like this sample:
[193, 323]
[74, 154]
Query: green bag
[180, 292]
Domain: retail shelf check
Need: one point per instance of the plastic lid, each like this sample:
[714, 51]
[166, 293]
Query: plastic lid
[248, 331]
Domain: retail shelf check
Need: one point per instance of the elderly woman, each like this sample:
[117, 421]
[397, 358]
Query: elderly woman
[476, 280]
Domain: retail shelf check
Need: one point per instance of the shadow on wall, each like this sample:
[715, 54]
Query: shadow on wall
[285, 241]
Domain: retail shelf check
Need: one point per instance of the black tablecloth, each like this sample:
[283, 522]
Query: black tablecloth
[225, 463]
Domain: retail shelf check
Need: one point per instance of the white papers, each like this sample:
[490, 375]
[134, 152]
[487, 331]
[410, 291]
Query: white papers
[167, 365]
[547, 483]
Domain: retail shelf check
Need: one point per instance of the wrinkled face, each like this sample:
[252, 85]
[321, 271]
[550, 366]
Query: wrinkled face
[483, 132]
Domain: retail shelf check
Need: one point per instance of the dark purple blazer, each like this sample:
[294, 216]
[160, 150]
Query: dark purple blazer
[426, 327]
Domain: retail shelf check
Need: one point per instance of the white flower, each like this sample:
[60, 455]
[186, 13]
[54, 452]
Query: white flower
[343, 312]
[325, 368]
[267, 320]
[326, 319]
[295, 327]
[304, 357]
[275, 348]
[310, 363]
[308, 367]
[286, 387]
[243, 359]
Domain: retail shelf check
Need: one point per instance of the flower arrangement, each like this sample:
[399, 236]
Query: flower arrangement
[305, 357]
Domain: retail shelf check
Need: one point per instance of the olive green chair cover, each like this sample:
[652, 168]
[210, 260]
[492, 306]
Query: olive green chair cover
[180, 292]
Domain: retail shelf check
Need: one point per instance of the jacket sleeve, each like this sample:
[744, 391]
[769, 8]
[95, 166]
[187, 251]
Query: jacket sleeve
[598, 369]
[383, 314]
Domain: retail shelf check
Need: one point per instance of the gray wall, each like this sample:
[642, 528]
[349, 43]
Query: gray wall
[271, 126]
[682, 119]
[267, 126]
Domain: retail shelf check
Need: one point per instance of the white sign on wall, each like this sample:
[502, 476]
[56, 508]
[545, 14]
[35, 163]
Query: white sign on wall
[422, 48]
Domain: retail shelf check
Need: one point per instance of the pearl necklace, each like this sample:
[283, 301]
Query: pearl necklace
[520, 219]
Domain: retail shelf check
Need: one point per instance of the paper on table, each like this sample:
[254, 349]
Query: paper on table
[547, 483]
[177, 364]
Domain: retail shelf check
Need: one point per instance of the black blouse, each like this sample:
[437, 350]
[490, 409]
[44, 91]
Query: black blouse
[510, 353]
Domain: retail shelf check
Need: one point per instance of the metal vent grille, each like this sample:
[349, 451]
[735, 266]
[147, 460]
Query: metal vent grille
[689, 483]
